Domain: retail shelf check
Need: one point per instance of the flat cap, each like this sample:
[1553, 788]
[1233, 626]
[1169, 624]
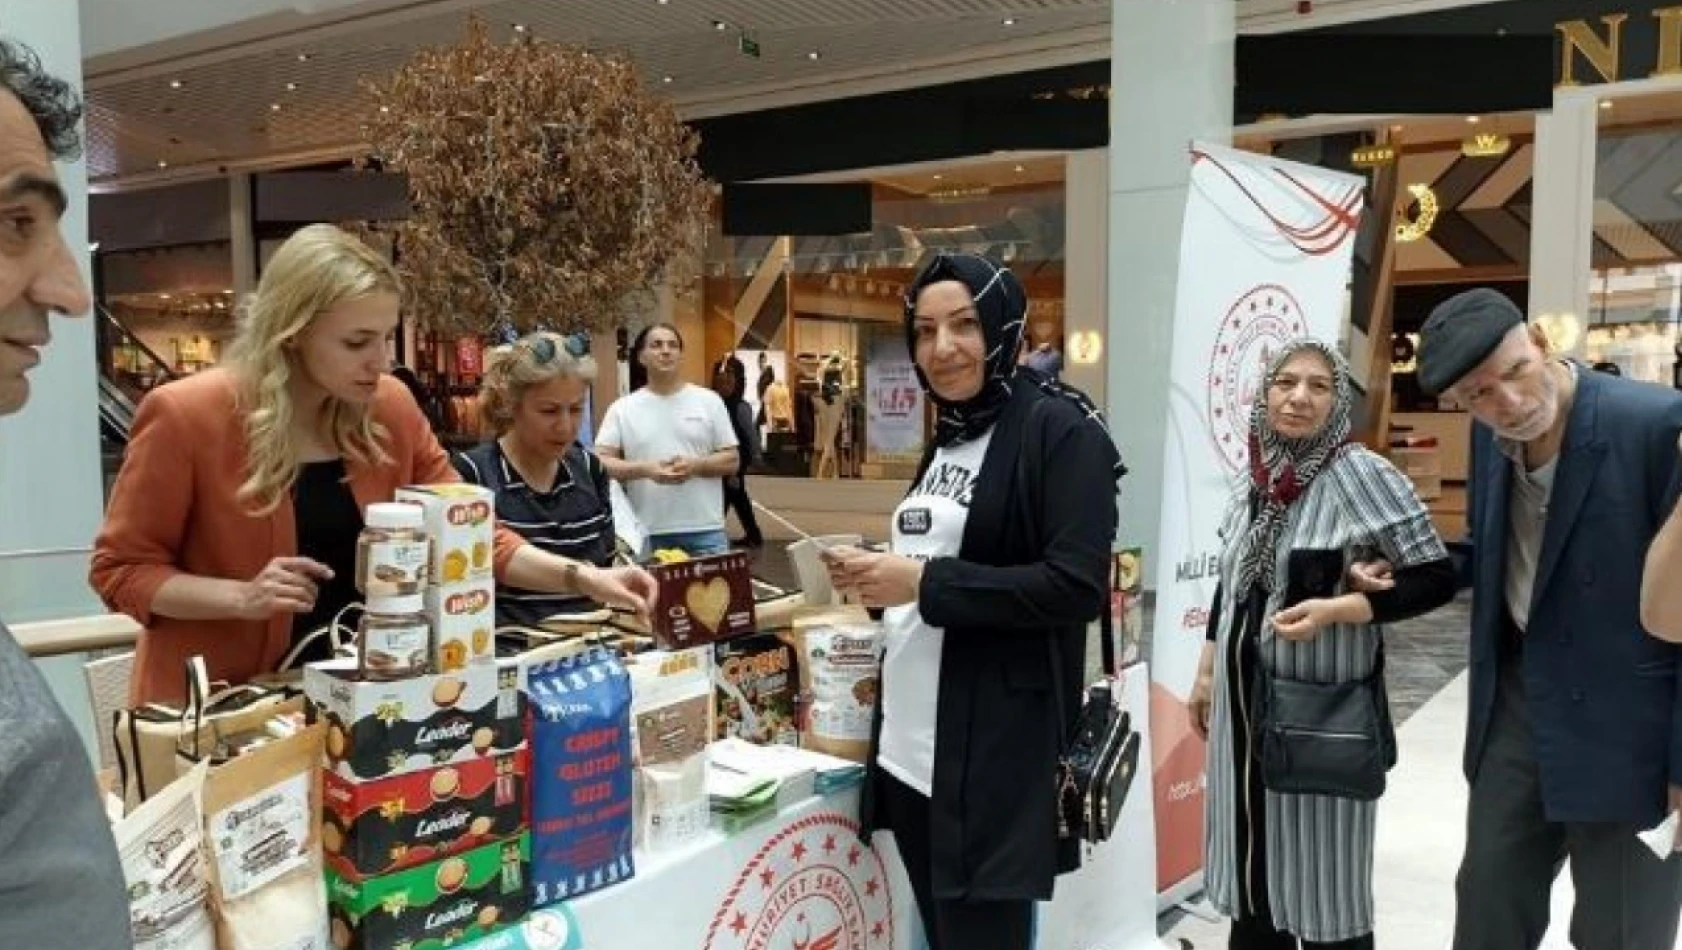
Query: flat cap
[1461, 333]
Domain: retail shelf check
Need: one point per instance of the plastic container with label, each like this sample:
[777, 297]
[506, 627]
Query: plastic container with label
[393, 553]
[394, 641]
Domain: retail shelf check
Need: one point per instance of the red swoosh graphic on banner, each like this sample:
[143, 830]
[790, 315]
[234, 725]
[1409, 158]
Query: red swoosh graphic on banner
[1316, 240]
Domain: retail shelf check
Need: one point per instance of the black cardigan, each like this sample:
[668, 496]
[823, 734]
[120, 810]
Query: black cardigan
[1033, 568]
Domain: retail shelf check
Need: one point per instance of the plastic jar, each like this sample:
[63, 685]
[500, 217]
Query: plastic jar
[393, 552]
[394, 641]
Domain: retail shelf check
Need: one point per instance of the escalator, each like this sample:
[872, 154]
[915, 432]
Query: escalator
[128, 369]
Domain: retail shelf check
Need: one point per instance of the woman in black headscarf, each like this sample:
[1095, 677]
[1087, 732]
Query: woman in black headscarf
[1000, 559]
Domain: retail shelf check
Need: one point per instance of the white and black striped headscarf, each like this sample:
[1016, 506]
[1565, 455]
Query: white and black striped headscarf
[1282, 468]
[1001, 304]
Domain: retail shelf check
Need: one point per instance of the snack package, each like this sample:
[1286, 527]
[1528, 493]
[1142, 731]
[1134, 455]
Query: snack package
[463, 619]
[436, 906]
[262, 826]
[161, 846]
[757, 685]
[581, 807]
[671, 712]
[840, 659]
[461, 520]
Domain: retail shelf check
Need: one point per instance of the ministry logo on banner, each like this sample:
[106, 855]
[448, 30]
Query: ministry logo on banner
[1264, 258]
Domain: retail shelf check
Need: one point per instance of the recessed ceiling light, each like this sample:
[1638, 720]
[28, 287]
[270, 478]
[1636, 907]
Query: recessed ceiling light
[938, 176]
[1010, 21]
[303, 57]
[519, 27]
[163, 296]
[1395, 128]
[665, 79]
[175, 84]
[1472, 120]
[1606, 103]
[720, 25]
[274, 107]
[291, 87]
[814, 56]
[664, 2]
[1020, 169]
[384, 110]
[162, 163]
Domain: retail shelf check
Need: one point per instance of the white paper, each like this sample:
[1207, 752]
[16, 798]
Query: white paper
[164, 868]
[262, 837]
[1662, 840]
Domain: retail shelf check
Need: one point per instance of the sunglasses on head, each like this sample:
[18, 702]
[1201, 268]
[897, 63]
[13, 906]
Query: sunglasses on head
[543, 348]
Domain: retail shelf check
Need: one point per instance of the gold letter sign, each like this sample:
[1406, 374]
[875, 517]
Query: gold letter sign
[1576, 36]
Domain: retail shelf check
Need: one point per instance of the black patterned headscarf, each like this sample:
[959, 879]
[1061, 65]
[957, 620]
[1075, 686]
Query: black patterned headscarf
[1281, 468]
[1001, 304]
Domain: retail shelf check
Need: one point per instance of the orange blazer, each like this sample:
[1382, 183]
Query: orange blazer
[173, 511]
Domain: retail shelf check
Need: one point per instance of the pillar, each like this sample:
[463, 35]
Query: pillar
[242, 234]
[1171, 72]
[1562, 209]
[51, 485]
[1086, 259]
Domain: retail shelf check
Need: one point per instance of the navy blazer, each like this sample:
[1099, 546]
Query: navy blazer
[1605, 698]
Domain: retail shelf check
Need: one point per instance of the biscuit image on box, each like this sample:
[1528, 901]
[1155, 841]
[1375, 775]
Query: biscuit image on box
[435, 906]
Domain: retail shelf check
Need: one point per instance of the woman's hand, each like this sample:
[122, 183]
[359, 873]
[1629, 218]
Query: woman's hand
[286, 585]
[1371, 577]
[629, 588]
[1202, 701]
[1305, 621]
[878, 580]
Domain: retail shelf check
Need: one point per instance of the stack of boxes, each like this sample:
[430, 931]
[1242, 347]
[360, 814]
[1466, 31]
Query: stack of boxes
[424, 786]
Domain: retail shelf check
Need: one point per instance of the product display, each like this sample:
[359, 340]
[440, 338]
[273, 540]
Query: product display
[703, 600]
[161, 845]
[581, 810]
[436, 905]
[375, 729]
[395, 639]
[463, 619]
[671, 716]
[756, 690]
[840, 658]
[393, 554]
[461, 523]
[387, 825]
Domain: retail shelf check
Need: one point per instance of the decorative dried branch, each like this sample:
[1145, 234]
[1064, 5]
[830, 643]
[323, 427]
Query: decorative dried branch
[548, 187]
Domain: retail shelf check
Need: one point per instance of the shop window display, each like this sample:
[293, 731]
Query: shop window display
[817, 320]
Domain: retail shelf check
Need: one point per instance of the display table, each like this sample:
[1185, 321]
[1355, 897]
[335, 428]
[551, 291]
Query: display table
[803, 880]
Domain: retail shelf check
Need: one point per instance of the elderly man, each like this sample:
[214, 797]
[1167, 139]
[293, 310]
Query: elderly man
[60, 883]
[1575, 736]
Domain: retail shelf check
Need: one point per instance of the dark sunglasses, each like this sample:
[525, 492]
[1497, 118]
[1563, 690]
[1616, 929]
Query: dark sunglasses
[543, 348]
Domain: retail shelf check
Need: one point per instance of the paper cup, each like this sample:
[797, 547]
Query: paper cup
[809, 567]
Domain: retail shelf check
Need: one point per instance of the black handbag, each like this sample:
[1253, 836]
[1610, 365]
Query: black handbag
[1332, 739]
[1096, 768]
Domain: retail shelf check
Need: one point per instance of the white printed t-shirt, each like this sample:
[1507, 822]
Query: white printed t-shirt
[648, 427]
[928, 524]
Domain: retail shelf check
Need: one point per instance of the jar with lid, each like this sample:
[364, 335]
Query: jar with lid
[393, 553]
[394, 640]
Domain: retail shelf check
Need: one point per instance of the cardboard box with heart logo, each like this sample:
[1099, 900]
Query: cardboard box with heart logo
[704, 600]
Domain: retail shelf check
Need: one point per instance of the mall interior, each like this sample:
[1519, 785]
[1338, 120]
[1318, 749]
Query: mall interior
[1533, 146]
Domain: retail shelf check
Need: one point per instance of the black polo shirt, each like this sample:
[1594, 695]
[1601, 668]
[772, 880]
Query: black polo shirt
[574, 520]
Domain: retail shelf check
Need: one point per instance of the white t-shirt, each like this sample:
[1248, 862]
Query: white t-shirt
[928, 524]
[647, 427]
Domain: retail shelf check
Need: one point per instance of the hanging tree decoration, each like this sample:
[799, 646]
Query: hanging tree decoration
[548, 188]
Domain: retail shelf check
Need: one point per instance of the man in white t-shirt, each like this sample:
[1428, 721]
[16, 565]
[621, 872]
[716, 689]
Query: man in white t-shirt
[671, 444]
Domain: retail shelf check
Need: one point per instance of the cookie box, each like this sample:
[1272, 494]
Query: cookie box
[443, 904]
[379, 729]
[703, 600]
[384, 826]
[461, 520]
[463, 619]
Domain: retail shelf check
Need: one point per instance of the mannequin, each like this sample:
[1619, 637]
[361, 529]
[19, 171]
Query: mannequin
[829, 406]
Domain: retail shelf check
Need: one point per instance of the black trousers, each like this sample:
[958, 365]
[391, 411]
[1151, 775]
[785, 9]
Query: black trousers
[736, 499]
[1252, 925]
[1627, 899]
[948, 924]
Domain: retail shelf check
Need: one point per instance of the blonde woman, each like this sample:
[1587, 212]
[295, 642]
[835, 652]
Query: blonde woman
[550, 489]
[232, 528]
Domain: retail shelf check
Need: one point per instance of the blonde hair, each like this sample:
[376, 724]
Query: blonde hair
[318, 268]
[530, 361]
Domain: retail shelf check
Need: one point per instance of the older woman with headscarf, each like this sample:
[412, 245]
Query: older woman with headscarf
[1000, 559]
[1288, 866]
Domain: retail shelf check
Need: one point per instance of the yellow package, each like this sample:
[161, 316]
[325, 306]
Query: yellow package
[463, 621]
[461, 521]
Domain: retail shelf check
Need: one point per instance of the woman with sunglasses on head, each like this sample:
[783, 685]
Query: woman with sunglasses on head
[231, 531]
[550, 489]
